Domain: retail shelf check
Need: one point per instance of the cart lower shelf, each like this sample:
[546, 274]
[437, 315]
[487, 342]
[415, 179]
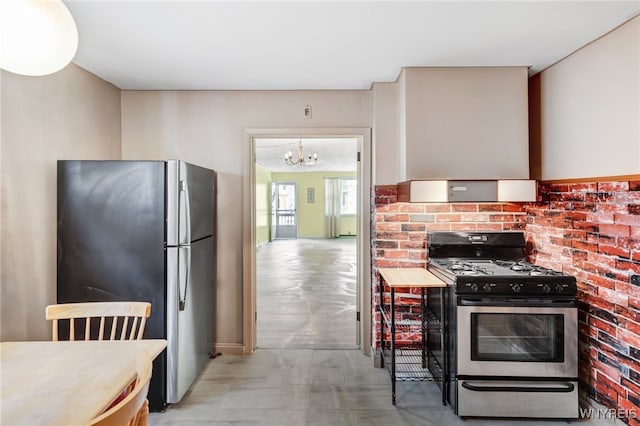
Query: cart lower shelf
[410, 366]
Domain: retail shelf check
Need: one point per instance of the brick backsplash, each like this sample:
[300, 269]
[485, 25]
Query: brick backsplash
[590, 230]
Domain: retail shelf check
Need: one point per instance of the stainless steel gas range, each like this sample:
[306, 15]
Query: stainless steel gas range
[511, 328]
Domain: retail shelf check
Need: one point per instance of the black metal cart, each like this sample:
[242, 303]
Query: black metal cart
[414, 360]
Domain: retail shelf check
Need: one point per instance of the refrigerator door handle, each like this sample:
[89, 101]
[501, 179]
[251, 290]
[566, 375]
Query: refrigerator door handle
[184, 214]
[182, 295]
[187, 212]
[173, 202]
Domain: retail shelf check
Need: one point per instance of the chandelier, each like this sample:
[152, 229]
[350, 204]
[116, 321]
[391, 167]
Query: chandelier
[310, 160]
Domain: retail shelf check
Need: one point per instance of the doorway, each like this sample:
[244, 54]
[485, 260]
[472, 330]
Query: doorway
[306, 292]
[257, 221]
[284, 210]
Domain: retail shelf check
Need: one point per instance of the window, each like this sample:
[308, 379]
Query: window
[348, 196]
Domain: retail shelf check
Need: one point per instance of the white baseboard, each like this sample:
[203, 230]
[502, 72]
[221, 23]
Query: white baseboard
[230, 348]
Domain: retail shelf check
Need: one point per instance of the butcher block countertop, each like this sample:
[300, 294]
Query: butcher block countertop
[410, 277]
[66, 383]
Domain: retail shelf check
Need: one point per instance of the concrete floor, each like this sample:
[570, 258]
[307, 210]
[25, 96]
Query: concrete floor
[306, 294]
[302, 310]
[313, 387]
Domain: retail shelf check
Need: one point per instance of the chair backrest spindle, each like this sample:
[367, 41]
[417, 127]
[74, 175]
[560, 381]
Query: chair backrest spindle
[133, 328]
[123, 333]
[143, 322]
[87, 328]
[114, 324]
[101, 333]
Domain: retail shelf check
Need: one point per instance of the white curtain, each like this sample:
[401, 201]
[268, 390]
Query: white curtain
[332, 207]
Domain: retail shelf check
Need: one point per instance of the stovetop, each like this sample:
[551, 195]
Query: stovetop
[494, 267]
[503, 277]
[491, 263]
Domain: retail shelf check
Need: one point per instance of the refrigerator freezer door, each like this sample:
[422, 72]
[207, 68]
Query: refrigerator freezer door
[111, 234]
[200, 194]
[190, 202]
[190, 331]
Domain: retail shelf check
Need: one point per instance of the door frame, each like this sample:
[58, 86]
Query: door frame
[363, 251]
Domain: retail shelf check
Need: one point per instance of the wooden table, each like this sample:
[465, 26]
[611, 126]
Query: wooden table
[66, 383]
[405, 277]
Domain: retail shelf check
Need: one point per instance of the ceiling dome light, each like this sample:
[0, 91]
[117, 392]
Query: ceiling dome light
[38, 37]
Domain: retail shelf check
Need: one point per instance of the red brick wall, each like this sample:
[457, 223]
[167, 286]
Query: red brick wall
[592, 231]
[589, 230]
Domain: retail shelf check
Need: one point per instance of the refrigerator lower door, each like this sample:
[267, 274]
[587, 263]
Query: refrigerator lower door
[190, 315]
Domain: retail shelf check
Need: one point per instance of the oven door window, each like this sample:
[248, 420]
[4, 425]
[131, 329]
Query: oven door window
[517, 337]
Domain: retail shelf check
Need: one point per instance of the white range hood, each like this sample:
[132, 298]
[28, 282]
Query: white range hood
[462, 191]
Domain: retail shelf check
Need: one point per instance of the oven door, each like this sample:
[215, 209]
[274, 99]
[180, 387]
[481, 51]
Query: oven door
[517, 337]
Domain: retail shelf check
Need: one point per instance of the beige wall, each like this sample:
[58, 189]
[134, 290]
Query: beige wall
[589, 108]
[68, 115]
[430, 115]
[465, 123]
[401, 125]
[208, 128]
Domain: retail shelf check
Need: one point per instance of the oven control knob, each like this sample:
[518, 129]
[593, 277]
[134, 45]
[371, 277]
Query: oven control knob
[546, 288]
[515, 287]
[559, 288]
[474, 288]
[486, 288]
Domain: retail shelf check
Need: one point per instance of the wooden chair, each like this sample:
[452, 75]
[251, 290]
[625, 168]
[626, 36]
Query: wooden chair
[133, 409]
[108, 312]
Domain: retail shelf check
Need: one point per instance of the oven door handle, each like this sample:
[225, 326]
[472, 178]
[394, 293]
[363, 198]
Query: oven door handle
[516, 302]
[563, 388]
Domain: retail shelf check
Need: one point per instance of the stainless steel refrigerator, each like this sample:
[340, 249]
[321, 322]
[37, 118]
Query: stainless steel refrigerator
[144, 231]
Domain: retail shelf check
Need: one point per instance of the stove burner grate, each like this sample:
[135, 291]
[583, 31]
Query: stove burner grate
[494, 267]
